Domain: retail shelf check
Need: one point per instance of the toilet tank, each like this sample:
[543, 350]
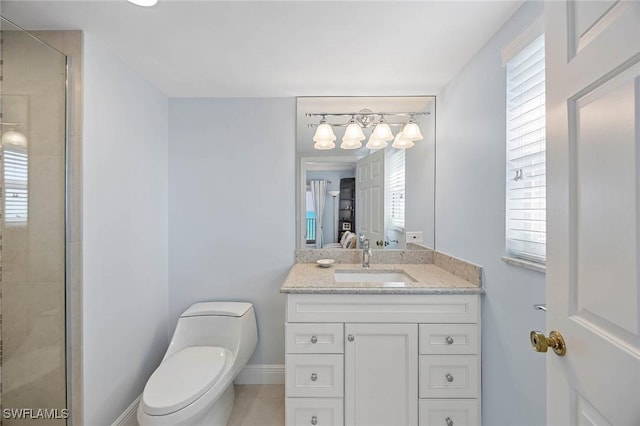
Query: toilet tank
[225, 324]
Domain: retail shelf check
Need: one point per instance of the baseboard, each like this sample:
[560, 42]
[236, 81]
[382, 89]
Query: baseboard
[267, 374]
[128, 417]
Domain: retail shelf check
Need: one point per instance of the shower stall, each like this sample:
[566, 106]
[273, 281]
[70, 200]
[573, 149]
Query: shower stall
[34, 330]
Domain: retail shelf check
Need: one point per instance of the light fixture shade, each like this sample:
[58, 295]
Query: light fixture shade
[382, 132]
[354, 132]
[323, 145]
[350, 143]
[334, 193]
[375, 143]
[412, 132]
[324, 133]
[143, 3]
[12, 137]
[401, 142]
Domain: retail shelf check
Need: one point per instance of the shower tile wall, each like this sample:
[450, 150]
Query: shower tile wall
[70, 42]
[33, 254]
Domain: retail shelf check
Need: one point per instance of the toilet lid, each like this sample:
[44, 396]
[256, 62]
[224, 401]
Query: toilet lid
[182, 378]
[230, 309]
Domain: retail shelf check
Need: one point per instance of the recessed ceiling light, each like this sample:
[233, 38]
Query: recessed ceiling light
[144, 3]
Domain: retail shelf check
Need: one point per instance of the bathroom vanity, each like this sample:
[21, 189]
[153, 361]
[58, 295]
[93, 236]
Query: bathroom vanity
[364, 350]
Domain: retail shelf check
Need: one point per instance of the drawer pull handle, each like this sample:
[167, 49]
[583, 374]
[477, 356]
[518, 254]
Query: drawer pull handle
[351, 338]
[314, 420]
[449, 377]
[449, 421]
[314, 377]
[314, 339]
[449, 340]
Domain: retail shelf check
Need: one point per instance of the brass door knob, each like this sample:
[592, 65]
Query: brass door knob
[555, 341]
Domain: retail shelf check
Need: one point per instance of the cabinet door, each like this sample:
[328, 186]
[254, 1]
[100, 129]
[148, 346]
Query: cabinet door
[381, 374]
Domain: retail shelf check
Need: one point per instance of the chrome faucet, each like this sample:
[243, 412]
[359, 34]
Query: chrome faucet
[366, 253]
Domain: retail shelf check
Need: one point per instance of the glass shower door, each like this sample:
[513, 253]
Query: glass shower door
[33, 379]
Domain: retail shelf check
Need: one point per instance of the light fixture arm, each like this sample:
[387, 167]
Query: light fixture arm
[354, 114]
[365, 118]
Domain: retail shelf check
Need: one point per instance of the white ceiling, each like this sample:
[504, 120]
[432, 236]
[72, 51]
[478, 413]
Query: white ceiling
[287, 48]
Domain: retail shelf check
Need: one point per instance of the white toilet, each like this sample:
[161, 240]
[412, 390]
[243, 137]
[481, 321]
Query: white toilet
[193, 385]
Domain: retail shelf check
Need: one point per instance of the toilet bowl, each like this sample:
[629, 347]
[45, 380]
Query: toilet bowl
[193, 385]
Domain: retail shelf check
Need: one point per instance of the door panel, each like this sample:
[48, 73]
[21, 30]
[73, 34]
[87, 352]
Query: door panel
[593, 124]
[370, 199]
[606, 214]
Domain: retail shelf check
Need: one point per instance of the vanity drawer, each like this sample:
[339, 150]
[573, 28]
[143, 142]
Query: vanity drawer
[377, 308]
[314, 338]
[448, 376]
[314, 375]
[445, 339]
[445, 412]
[314, 411]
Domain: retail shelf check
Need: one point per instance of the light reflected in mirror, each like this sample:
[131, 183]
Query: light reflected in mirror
[387, 195]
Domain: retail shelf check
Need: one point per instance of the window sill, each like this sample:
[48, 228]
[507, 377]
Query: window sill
[532, 266]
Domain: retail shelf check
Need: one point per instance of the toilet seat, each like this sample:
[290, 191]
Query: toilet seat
[182, 378]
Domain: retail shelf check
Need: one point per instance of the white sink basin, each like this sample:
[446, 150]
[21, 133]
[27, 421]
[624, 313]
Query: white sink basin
[369, 276]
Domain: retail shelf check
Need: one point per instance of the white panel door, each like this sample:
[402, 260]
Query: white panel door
[593, 206]
[370, 199]
[381, 374]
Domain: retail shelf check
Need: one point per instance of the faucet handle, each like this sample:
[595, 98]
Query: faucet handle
[365, 244]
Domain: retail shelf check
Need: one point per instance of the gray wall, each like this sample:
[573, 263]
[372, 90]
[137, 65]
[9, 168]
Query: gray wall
[231, 208]
[470, 217]
[125, 231]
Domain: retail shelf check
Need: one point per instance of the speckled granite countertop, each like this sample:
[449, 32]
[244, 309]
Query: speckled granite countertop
[309, 278]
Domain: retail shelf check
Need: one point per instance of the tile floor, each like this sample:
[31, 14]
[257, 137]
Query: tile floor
[258, 405]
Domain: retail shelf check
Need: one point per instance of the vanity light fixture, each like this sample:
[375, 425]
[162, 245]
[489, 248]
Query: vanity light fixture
[382, 131]
[324, 137]
[143, 3]
[13, 137]
[411, 131]
[402, 142]
[353, 136]
[354, 131]
[350, 144]
[323, 145]
[375, 143]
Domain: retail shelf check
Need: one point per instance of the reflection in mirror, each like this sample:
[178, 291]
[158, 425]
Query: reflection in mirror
[345, 189]
[16, 161]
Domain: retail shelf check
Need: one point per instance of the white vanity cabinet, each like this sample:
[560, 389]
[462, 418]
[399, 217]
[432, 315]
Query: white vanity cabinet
[383, 359]
[381, 374]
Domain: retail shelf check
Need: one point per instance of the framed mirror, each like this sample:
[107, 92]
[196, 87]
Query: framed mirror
[384, 193]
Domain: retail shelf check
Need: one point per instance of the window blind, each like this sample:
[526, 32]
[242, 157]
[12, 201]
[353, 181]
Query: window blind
[16, 189]
[394, 197]
[526, 146]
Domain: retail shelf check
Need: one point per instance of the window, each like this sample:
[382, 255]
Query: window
[526, 145]
[394, 198]
[15, 185]
[310, 218]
